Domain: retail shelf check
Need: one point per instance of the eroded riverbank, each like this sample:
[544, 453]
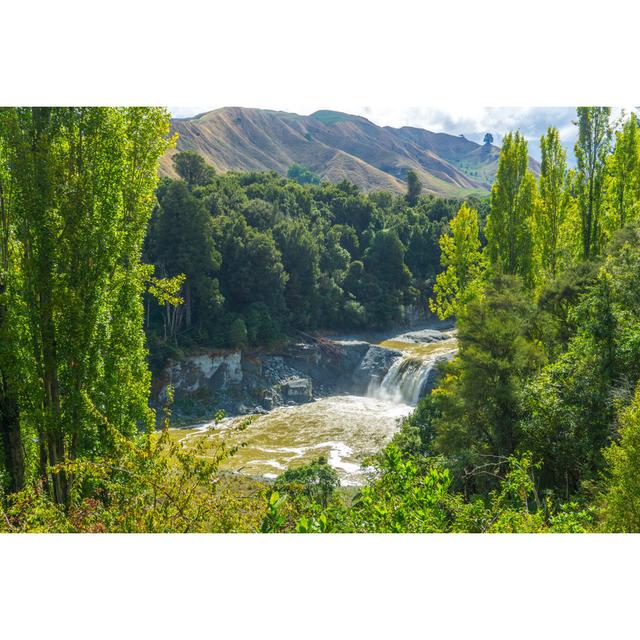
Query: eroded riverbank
[346, 428]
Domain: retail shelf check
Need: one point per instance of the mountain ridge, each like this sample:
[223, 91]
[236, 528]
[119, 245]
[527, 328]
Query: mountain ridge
[336, 146]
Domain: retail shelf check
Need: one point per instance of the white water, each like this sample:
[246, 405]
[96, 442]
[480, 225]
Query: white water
[404, 381]
[343, 429]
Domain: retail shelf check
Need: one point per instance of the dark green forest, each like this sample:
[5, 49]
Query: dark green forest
[264, 256]
[106, 271]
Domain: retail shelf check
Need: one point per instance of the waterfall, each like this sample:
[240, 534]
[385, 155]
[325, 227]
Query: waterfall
[404, 381]
[407, 378]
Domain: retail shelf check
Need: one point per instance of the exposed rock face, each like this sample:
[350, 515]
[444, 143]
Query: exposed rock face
[205, 371]
[435, 372]
[249, 383]
[424, 336]
[297, 390]
[350, 370]
[373, 367]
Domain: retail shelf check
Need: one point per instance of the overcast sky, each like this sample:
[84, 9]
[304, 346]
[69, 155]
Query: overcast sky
[472, 122]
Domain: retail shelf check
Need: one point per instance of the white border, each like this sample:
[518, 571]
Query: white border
[298, 56]
[296, 586]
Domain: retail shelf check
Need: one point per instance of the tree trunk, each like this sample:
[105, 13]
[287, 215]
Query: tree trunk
[11, 436]
[53, 428]
[9, 411]
[55, 438]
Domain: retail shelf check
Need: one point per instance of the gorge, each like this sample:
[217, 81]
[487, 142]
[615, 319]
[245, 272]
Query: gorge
[343, 402]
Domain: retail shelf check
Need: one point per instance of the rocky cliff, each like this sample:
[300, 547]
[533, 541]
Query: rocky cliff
[241, 383]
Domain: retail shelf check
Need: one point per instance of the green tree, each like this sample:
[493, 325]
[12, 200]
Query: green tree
[552, 207]
[480, 398]
[301, 261]
[462, 259]
[192, 168]
[621, 497]
[572, 405]
[623, 167]
[82, 183]
[11, 441]
[238, 333]
[181, 241]
[251, 270]
[591, 149]
[509, 226]
[316, 481]
[302, 175]
[414, 187]
[389, 277]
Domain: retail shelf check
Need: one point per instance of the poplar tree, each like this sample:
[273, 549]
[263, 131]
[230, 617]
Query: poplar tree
[623, 166]
[82, 182]
[11, 444]
[553, 204]
[591, 149]
[509, 225]
[414, 188]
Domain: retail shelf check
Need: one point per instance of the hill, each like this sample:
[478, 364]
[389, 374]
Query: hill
[336, 146]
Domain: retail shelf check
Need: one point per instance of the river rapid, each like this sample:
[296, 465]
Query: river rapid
[345, 429]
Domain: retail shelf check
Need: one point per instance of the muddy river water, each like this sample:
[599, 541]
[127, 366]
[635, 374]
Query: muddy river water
[345, 429]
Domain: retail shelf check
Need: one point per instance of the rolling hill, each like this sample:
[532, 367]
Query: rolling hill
[336, 146]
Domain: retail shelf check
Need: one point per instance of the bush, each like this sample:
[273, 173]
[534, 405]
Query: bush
[317, 481]
[237, 336]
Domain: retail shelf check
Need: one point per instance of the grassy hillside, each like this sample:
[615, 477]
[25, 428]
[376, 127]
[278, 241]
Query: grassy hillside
[336, 146]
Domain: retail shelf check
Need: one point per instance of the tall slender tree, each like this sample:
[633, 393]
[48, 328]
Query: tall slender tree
[553, 203]
[414, 187]
[591, 149]
[11, 443]
[623, 167]
[82, 182]
[509, 226]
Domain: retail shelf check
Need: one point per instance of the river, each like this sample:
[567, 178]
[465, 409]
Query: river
[345, 429]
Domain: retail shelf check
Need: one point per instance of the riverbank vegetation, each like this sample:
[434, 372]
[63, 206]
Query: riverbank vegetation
[534, 426]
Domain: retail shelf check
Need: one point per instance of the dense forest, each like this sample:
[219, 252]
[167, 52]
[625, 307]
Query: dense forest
[534, 425]
[265, 256]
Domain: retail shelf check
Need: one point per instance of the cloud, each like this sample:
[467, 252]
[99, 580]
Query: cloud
[474, 122]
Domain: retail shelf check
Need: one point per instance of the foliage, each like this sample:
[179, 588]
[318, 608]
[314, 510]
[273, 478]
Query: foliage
[462, 260]
[513, 196]
[414, 187]
[192, 168]
[479, 399]
[152, 483]
[623, 177]
[621, 498]
[533, 426]
[316, 481]
[404, 497]
[553, 207]
[81, 182]
[591, 149]
[302, 175]
[312, 256]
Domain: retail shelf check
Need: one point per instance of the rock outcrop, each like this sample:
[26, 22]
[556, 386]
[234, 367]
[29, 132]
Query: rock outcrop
[241, 383]
[373, 367]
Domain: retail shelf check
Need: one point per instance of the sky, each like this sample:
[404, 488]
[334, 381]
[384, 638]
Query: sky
[473, 122]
